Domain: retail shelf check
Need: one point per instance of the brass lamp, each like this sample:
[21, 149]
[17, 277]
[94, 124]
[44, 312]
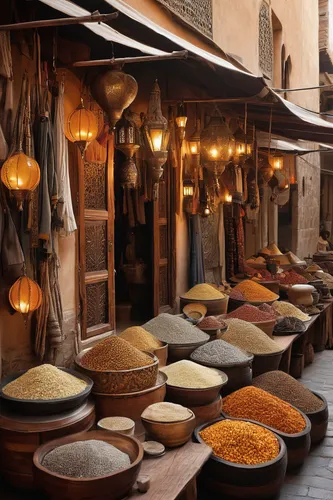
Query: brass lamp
[243, 146]
[114, 91]
[181, 120]
[188, 188]
[25, 296]
[276, 160]
[82, 127]
[156, 134]
[194, 144]
[20, 174]
[127, 141]
[217, 144]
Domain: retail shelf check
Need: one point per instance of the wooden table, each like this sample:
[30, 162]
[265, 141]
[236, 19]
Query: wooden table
[173, 476]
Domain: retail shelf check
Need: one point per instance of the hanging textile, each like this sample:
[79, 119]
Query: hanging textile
[11, 254]
[6, 66]
[230, 243]
[221, 238]
[210, 245]
[240, 243]
[65, 212]
[197, 270]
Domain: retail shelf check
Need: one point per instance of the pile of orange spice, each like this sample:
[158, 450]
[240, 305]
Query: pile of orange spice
[253, 292]
[255, 404]
[241, 442]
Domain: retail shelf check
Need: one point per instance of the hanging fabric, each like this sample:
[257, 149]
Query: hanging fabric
[64, 207]
[197, 270]
[6, 65]
[11, 253]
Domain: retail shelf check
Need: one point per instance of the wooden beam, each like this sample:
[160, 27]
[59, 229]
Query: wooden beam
[182, 54]
[95, 17]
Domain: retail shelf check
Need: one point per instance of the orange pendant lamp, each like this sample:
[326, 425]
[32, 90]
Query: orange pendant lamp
[25, 296]
[82, 127]
[20, 174]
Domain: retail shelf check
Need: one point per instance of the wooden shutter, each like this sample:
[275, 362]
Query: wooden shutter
[164, 245]
[96, 246]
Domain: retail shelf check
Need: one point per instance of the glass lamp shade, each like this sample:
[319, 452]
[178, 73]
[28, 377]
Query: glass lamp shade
[217, 142]
[188, 188]
[228, 198]
[20, 174]
[243, 144]
[25, 295]
[82, 127]
[127, 137]
[277, 161]
[181, 121]
[194, 147]
[155, 124]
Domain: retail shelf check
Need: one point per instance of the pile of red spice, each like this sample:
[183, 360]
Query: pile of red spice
[268, 309]
[212, 322]
[291, 278]
[236, 294]
[250, 313]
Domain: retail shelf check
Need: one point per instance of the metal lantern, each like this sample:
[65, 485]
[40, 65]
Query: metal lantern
[181, 120]
[266, 170]
[82, 127]
[217, 144]
[127, 141]
[194, 144]
[243, 146]
[155, 128]
[114, 91]
[277, 161]
[20, 174]
[188, 188]
[25, 295]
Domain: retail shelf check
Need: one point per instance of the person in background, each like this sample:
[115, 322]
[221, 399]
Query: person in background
[324, 245]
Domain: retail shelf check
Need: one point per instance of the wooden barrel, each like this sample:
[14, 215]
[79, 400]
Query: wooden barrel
[20, 436]
[298, 445]
[319, 421]
[207, 413]
[223, 479]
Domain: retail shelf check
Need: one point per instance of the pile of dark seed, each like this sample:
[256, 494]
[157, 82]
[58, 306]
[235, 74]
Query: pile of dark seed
[285, 387]
[289, 324]
[91, 458]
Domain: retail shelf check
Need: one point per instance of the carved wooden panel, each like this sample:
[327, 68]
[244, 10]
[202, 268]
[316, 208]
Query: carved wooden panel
[265, 41]
[196, 13]
[96, 245]
[164, 295]
[95, 185]
[163, 242]
[162, 200]
[97, 303]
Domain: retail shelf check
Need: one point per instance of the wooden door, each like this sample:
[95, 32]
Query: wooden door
[96, 245]
[164, 275]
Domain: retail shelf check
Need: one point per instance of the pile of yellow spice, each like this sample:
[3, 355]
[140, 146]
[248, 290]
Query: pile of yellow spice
[204, 291]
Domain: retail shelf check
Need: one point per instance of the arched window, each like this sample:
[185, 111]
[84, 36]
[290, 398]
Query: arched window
[265, 41]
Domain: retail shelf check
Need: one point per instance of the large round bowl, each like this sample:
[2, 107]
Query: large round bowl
[263, 363]
[189, 397]
[319, 420]
[177, 352]
[298, 444]
[214, 307]
[130, 404]
[45, 406]
[162, 354]
[120, 381]
[225, 479]
[114, 486]
[170, 434]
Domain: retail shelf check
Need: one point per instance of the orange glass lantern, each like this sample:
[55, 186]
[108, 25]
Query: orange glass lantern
[277, 161]
[25, 295]
[181, 120]
[243, 146]
[20, 174]
[82, 127]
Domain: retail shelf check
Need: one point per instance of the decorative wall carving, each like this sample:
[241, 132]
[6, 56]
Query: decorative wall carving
[97, 303]
[164, 295]
[196, 13]
[96, 247]
[95, 186]
[265, 41]
[163, 242]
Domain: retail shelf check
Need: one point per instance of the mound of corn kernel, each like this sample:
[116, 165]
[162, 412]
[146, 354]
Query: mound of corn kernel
[116, 354]
[241, 442]
[255, 404]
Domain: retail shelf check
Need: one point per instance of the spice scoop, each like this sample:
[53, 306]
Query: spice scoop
[154, 448]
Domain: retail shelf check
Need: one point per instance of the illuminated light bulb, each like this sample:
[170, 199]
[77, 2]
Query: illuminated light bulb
[214, 153]
[194, 148]
[228, 198]
[156, 139]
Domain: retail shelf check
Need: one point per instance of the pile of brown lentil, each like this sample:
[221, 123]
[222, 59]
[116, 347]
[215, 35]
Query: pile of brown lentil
[116, 354]
[249, 337]
[241, 442]
[140, 338]
[256, 404]
[44, 382]
[285, 387]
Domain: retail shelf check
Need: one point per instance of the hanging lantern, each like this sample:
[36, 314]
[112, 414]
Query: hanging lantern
[194, 144]
[217, 144]
[25, 296]
[114, 91]
[82, 127]
[20, 174]
[243, 146]
[127, 141]
[277, 161]
[265, 170]
[188, 188]
[181, 120]
[228, 198]
[155, 128]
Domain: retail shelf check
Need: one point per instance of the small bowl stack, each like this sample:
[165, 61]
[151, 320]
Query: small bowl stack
[197, 387]
[215, 301]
